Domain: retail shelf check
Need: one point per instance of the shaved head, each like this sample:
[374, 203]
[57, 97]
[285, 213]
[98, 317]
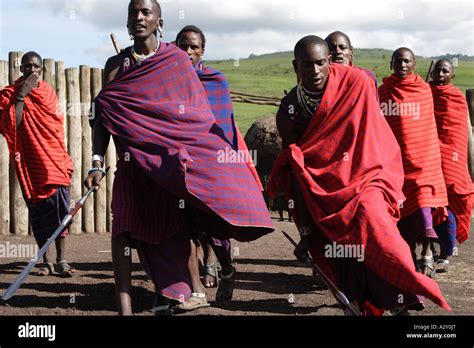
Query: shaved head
[156, 6]
[311, 40]
[29, 55]
[445, 61]
[335, 34]
[403, 50]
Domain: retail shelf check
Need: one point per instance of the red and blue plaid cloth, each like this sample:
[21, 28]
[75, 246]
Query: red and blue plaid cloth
[160, 114]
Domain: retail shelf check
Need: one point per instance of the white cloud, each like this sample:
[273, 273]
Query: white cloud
[238, 28]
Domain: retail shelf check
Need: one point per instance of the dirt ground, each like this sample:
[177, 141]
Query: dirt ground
[269, 282]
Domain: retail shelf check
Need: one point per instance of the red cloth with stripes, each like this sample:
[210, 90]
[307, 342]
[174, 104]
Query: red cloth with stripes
[451, 114]
[36, 148]
[414, 127]
[349, 168]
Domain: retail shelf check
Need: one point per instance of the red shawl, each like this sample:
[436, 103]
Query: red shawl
[37, 148]
[408, 108]
[451, 118]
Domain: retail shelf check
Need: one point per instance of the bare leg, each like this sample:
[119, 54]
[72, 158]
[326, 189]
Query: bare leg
[210, 280]
[60, 249]
[193, 266]
[427, 257]
[122, 263]
[226, 284]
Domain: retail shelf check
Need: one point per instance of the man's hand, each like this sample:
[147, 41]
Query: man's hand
[28, 84]
[301, 250]
[93, 179]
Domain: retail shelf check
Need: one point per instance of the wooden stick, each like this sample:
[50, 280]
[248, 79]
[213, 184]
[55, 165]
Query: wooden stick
[429, 70]
[116, 45]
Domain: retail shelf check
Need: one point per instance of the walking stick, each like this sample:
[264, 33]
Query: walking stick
[338, 294]
[116, 45]
[10, 292]
[429, 70]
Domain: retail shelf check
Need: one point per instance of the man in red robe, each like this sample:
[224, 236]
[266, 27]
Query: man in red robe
[32, 123]
[407, 104]
[451, 115]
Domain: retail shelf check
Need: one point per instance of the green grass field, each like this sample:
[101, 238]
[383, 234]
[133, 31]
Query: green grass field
[271, 74]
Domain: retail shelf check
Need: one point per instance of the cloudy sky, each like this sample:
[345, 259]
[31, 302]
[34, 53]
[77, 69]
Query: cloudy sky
[77, 31]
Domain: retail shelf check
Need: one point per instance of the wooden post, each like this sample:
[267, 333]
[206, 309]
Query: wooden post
[18, 210]
[85, 82]
[74, 140]
[100, 197]
[470, 106]
[61, 93]
[48, 71]
[4, 166]
[111, 161]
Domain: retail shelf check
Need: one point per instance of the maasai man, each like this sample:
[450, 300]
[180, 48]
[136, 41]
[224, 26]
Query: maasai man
[192, 40]
[32, 123]
[157, 111]
[451, 115]
[341, 165]
[407, 103]
[342, 52]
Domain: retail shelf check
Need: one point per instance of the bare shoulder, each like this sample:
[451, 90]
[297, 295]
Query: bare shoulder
[112, 66]
[286, 127]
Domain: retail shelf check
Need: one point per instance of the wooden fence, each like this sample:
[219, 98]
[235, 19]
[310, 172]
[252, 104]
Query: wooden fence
[76, 88]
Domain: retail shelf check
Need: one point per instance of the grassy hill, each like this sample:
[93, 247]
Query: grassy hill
[271, 74]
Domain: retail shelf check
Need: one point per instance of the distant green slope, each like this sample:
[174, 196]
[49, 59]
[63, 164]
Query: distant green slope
[271, 74]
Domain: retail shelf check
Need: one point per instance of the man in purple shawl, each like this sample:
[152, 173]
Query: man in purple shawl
[192, 40]
[169, 174]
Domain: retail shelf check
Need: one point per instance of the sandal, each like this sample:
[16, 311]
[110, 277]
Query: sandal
[162, 311]
[442, 266]
[64, 269]
[211, 270]
[225, 290]
[197, 300]
[427, 266]
[47, 269]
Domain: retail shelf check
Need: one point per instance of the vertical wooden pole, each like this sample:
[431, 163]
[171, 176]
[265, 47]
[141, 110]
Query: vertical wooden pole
[100, 197]
[4, 166]
[61, 93]
[48, 71]
[18, 210]
[85, 81]
[111, 161]
[74, 140]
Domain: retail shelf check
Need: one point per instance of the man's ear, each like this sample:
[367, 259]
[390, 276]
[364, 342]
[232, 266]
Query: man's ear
[203, 52]
[391, 64]
[453, 76]
[160, 23]
[414, 66]
[21, 68]
[295, 66]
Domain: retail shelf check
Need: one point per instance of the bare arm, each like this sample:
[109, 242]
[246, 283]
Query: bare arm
[287, 131]
[27, 85]
[100, 135]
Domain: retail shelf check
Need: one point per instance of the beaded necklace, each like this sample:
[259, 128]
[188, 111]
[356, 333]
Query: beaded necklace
[141, 57]
[309, 101]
